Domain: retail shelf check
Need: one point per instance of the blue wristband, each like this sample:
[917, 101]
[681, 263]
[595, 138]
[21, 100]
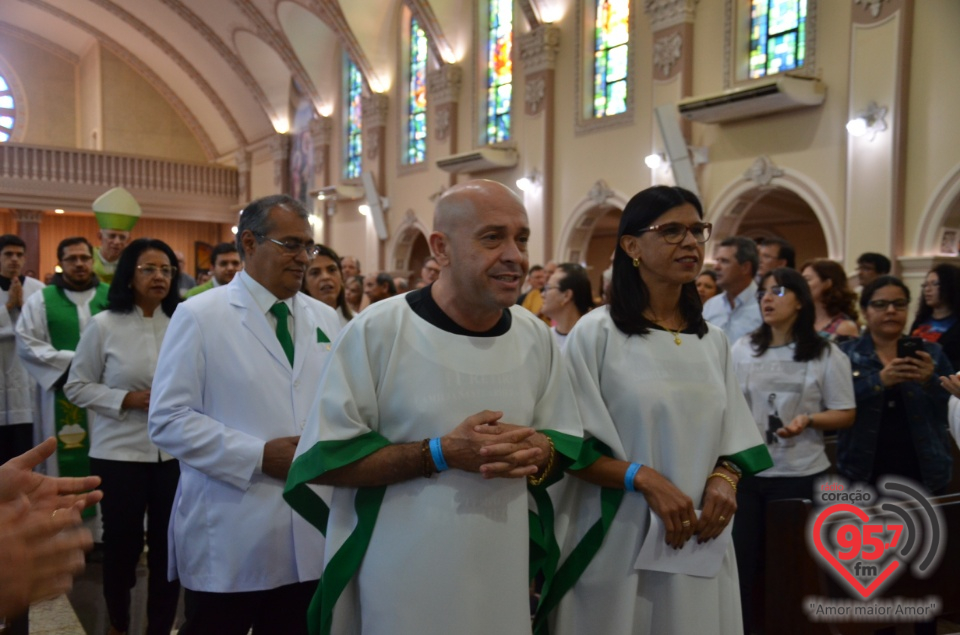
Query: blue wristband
[437, 453]
[629, 476]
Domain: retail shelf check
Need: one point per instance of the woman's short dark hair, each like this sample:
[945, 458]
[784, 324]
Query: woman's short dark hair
[838, 298]
[323, 250]
[630, 297]
[866, 294]
[948, 277]
[807, 342]
[710, 273]
[120, 297]
[575, 279]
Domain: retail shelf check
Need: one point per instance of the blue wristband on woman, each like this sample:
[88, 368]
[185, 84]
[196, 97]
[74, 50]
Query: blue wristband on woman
[437, 453]
[630, 475]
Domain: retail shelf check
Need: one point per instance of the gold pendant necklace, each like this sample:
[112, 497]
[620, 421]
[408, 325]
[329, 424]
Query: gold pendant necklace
[676, 336]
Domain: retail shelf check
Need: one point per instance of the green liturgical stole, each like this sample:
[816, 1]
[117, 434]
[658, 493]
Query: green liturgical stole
[70, 422]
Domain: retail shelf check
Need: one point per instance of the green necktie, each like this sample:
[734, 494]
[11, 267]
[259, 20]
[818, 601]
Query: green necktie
[281, 311]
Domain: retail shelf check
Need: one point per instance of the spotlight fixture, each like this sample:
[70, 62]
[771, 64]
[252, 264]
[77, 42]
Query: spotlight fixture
[868, 122]
[527, 182]
[655, 160]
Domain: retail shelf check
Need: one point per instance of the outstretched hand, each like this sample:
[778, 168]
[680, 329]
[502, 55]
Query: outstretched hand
[45, 492]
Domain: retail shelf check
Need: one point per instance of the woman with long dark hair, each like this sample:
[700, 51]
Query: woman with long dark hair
[111, 374]
[567, 297]
[797, 384]
[324, 281]
[834, 301]
[938, 316]
[671, 433]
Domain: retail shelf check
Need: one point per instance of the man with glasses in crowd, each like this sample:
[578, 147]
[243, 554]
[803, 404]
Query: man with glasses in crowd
[736, 311]
[47, 334]
[237, 373]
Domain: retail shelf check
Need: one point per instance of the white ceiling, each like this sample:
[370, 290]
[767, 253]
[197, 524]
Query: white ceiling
[227, 65]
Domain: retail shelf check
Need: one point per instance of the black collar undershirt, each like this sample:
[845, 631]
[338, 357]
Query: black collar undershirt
[423, 304]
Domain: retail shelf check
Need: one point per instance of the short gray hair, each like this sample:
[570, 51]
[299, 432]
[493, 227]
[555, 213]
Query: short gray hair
[256, 216]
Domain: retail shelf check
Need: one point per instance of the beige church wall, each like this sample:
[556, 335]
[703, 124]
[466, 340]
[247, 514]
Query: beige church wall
[261, 174]
[47, 107]
[809, 142]
[90, 99]
[933, 128]
[137, 120]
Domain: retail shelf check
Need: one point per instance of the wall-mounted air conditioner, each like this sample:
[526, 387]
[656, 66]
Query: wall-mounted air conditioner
[763, 98]
[479, 160]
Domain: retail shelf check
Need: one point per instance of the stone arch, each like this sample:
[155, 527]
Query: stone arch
[577, 230]
[942, 208]
[738, 198]
[403, 246]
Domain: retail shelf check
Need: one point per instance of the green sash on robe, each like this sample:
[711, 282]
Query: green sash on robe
[99, 269]
[63, 324]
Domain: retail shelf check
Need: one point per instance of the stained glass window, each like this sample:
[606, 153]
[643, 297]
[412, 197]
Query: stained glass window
[611, 45]
[417, 98]
[353, 163]
[499, 70]
[7, 114]
[777, 36]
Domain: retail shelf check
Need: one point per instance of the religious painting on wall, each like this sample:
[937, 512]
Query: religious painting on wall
[301, 152]
[201, 256]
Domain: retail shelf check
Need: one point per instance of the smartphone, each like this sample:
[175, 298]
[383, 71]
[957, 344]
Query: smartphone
[908, 346]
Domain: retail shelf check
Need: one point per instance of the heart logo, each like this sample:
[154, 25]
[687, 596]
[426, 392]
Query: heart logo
[824, 551]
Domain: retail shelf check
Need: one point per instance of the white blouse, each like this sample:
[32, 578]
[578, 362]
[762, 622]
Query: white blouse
[117, 354]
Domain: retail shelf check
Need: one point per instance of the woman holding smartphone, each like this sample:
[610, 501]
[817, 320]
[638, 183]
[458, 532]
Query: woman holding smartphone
[901, 424]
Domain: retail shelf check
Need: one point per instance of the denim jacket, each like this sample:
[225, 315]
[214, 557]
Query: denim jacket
[927, 407]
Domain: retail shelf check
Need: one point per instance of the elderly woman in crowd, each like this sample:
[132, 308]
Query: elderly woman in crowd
[671, 433]
[111, 374]
[567, 297]
[834, 301]
[707, 284]
[901, 423]
[353, 289]
[324, 281]
[938, 316]
[797, 384]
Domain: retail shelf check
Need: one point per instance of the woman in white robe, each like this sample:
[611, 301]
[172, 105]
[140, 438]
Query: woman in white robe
[658, 394]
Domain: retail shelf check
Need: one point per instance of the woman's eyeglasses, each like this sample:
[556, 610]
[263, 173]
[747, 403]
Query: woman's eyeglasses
[883, 305]
[674, 233]
[151, 270]
[776, 290]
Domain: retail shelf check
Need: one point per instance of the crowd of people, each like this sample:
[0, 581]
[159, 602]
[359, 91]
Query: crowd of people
[266, 433]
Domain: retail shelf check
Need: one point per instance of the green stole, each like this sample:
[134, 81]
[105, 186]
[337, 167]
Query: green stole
[99, 269]
[63, 324]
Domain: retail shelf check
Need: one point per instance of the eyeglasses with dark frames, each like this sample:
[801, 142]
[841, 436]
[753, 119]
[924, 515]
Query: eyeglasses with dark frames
[293, 247]
[675, 233]
[882, 305]
[777, 290]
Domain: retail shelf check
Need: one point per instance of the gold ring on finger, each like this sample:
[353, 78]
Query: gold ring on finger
[722, 519]
[685, 523]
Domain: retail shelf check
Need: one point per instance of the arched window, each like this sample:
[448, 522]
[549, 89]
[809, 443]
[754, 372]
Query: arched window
[777, 36]
[499, 70]
[353, 157]
[611, 57]
[7, 110]
[416, 150]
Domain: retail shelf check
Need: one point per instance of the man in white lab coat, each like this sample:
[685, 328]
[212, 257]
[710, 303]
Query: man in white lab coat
[237, 373]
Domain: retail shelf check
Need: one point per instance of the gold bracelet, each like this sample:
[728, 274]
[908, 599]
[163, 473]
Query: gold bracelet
[733, 483]
[426, 459]
[538, 480]
[731, 467]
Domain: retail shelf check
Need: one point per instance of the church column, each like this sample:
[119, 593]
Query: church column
[280, 150]
[28, 228]
[538, 57]
[672, 24]
[321, 131]
[242, 159]
[880, 33]
[443, 94]
[375, 110]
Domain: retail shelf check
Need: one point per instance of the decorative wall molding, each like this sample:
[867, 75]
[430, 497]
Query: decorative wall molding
[667, 13]
[12, 30]
[442, 116]
[538, 49]
[42, 178]
[243, 160]
[375, 108]
[600, 193]
[763, 171]
[443, 84]
[191, 121]
[873, 6]
[225, 52]
[666, 53]
[28, 215]
[536, 90]
[321, 129]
